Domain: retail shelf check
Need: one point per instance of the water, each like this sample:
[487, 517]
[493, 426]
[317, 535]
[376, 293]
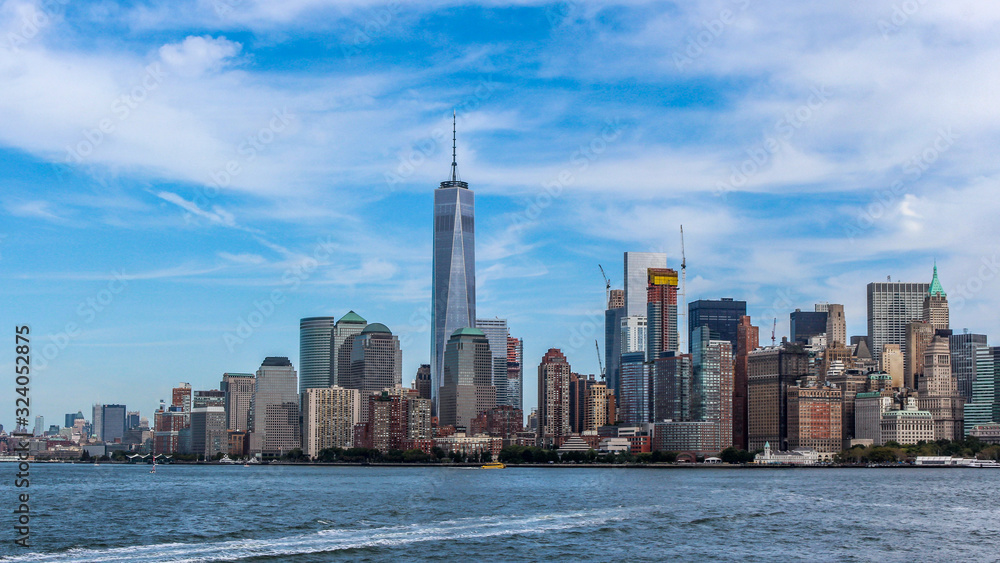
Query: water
[109, 513]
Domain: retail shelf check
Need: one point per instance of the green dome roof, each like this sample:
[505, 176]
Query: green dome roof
[376, 327]
[468, 331]
[352, 317]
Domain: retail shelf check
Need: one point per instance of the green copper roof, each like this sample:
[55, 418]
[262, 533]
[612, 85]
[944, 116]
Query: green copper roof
[352, 317]
[936, 285]
[468, 332]
[376, 327]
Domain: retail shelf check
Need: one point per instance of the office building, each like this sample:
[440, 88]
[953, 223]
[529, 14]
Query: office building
[376, 360]
[238, 390]
[553, 399]
[453, 304]
[274, 412]
[180, 397]
[939, 390]
[636, 276]
[722, 317]
[515, 372]
[963, 360]
[72, 418]
[341, 346]
[168, 423]
[97, 422]
[328, 417]
[836, 325]
[918, 336]
[315, 343]
[908, 425]
[208, 398]
[869, 407]
[891, 306]
[423, 381]
[815, 417]
[671, 387]
[39, 428]
[849, 382]
[208, 430]
[634, 403]
[770, 372]
[112, 423]
[891, 362]
[661, 312]
[132, 420]
[468, 378]
[747, 340]
[982, 407]
[496, 333]
[807, 324]
[613, 337]
[935, 310]
[633, 334]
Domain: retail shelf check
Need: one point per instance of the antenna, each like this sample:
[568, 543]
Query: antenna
[774, 327]
[607, 287]
[599, 364]
[682, 306]
[454, 146]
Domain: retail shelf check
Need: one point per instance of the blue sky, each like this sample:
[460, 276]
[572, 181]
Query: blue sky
[166, 166]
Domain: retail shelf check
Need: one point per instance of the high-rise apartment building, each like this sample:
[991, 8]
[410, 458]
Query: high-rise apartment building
[815, 417]
[238, 390]
[315, 343]
[467, 388]
[613, 336]
[747, 340]
[661, 312]
[712, 383]
[496, 333]
[849, 383]
[515, 373]
[634, 336]
[963, 360]
[341, 346]
[180, 397]
[396, 419]
[112, 423]
[836, 325]
[328, 417]
[722, 317]
[376, 360]
[671, 381]
[599, 406]
[636, 276]
[891, 306]
[274, 421]
[553, 398]
[453, 304]
[939, 391]
[578, 386]
[636, 391]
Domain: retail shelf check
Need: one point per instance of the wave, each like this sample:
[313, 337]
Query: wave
[325, 541]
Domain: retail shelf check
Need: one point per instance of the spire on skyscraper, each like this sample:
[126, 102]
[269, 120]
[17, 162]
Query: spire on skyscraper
[936, 288]
[454, 182]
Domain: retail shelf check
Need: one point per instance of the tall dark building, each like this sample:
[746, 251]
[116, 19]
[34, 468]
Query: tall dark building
[806, 324]
[747, 340]
[112, 422]
[720, 316]
[423, 383]
[661, 312]
[578, 385]
[613, 339]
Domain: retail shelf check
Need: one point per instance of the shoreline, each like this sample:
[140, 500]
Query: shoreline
[694, 466]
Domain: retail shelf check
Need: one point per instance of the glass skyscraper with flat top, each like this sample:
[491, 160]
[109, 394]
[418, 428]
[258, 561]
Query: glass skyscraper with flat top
[454, 293]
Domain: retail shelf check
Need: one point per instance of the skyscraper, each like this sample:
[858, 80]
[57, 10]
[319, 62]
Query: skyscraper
[891, 362]
[722, 317]
[918, 336]
[329, 416]
[208, 430]
[936, 304]
[98, 423]
[983, 406]
[599, 407]
[806, 324]
[613, 337]
[836, 325]
[634, 337]
[939, 390]
[180, 397]
[238, 389]
[315, 343]
[963, 360]
[72, 418]
[468, 378]
[454, 285]
[637, 265]
[891, 306]
[423, 381]
[112, 422]
[496, 333]
[747, 340]
[712, 384]
[635, 401]
[661, 312]
[376, 360]
[770, 372]
[341, 344]
[515, 372]
[553, 398]
[274, 422]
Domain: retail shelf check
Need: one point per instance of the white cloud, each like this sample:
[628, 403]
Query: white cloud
[197, 55]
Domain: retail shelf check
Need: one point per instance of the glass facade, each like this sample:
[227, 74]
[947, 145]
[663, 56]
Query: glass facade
[891, 306]
[496, 332]
[314, 352]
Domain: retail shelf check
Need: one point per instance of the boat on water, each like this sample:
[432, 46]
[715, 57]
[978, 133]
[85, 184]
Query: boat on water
[494, 465]
[226, 459]
[985, 464]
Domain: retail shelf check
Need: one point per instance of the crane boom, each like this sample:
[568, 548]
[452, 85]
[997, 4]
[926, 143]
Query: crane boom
[774, 326]
[681, 306]
[607, 287]
[599, 363]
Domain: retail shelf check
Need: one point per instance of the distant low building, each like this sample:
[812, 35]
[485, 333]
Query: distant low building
[798, 456]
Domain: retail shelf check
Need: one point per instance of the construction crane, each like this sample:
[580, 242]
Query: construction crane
[599, 363]
[682, 305]
[774, 326]
[607, 287]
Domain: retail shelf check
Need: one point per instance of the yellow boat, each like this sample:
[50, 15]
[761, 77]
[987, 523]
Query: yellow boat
[494, 465]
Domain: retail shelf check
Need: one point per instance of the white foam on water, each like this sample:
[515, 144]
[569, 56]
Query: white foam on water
[339, 539]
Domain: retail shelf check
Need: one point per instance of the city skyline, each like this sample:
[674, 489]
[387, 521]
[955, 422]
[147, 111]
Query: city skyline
[199, 261]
